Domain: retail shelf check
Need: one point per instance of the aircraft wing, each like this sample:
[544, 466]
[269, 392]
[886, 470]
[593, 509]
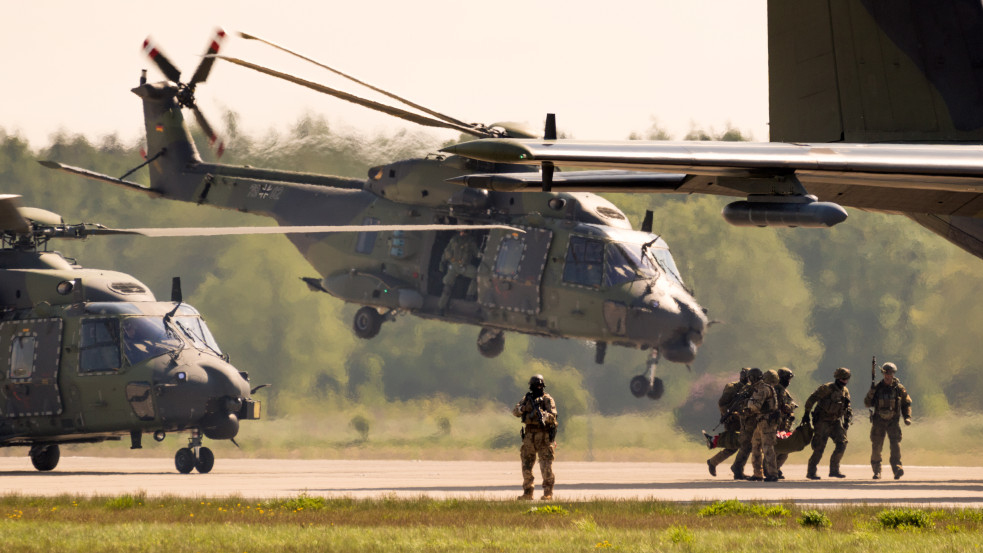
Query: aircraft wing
[943, 180]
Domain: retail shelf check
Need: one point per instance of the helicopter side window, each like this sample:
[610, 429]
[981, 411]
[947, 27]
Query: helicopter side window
[509, 256]
[585, 262]
[99, 346]
[22, 356]
[366, 239]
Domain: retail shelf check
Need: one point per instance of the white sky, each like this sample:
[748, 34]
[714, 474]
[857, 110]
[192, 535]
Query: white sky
[605, 68]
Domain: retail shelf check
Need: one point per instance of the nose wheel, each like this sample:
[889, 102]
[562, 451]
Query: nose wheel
[491, 343]
[195, 456]
[647, 384]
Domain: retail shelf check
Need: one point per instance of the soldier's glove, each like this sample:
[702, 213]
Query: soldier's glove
[805, 418]
[846, 424]
[907, 421]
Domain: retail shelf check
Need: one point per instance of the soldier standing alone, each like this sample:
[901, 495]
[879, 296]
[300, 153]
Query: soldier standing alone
[537, 410]
[731, 420]
[890, 402]
[831, 421]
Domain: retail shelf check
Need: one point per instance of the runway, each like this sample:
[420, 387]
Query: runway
[491, 480]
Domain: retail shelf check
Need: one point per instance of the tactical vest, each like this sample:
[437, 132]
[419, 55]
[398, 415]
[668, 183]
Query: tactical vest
[834, 405]
[887, 401]
[769, 405]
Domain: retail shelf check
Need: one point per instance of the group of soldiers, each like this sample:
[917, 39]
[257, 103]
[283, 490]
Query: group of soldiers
[758, 407]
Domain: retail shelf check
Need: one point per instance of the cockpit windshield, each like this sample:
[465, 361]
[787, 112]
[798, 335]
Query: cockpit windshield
[625, 263]
[617, 257]
[145, 337]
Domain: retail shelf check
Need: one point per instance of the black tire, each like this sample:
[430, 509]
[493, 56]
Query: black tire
[184, 460]
[45, 457]
[206, 460]
[639, 386]
[657, 389]
[367, 323]
[491, 343]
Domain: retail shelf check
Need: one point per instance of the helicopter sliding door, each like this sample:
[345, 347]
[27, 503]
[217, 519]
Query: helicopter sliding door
[33, 352]
[512, 281]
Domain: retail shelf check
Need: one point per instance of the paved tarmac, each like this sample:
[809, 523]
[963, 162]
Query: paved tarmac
[492, 480]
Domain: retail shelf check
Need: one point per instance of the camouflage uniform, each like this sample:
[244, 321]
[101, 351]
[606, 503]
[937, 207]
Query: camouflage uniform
[538, 437]
[763, 407]
[457, 258]
[747, 431]
[890, 402]
[830, 420]
[786, 405]
[731, 421]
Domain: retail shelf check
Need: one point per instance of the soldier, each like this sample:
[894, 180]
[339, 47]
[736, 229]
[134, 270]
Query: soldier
[830, 420]
[747, 430]
[728, 416]
[890, 402]
[457, 260]
[763, 409]
[537, 410]
[786, 405]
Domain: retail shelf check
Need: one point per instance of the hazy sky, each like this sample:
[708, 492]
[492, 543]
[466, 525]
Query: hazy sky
[605, 68]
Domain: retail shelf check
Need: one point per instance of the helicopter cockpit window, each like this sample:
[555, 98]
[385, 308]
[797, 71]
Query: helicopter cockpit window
[366, 240]
[22, 356]
[509, 256]
[625, 263]
[147, 337]
[585, 262]
[196, 329]
[664, 259]
[99, 346]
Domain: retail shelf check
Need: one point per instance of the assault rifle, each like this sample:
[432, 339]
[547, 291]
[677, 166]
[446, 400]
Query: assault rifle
[737, 404]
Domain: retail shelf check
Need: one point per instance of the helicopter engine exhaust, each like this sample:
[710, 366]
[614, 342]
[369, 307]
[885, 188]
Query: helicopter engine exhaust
[783, 211]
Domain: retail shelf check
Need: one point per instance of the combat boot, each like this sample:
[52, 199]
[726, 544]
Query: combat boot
[898, 474]
[837, 474]
[712, 468]
[877, 470]
[811, 475]
[526, 494]
[739, 475]
[547, 493]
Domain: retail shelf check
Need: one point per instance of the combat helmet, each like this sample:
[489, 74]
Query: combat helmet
[889, 368]
[785, 374]
[754, 374]
[841, 373]
[771, 377]
[536, 381]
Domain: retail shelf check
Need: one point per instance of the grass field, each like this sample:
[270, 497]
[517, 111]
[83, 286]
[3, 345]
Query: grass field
[139, 523]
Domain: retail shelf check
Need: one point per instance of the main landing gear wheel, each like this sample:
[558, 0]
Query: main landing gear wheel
[45, 457]
[206, 460]
[491, 343]
[367, 322]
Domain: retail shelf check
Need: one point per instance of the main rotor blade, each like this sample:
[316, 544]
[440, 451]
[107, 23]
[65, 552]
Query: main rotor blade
[165, 65]
[390, 110]
[414, 105]
[10, 218]
[207, 61]
[235, 231]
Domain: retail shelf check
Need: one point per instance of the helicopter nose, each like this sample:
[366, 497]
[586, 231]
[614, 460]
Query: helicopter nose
[207, 393]
[686, 326]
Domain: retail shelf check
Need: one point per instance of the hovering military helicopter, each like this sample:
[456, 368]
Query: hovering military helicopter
[578, 270]
[90, 355]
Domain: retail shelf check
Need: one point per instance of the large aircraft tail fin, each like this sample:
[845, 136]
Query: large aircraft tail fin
[876, 70]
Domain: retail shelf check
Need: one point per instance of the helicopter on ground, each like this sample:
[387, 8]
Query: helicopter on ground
[90, 355]
[578, 270]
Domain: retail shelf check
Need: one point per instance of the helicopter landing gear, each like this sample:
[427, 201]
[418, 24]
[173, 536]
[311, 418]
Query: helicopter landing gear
[367, 322]
[491, 343]
[45, 457]
[647, 384]
[195, 456]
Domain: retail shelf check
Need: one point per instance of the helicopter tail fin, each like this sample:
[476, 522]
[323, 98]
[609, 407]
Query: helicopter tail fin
[876, 71]
[169, 144]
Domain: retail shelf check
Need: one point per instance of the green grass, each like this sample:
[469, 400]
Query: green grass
[308, 523]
